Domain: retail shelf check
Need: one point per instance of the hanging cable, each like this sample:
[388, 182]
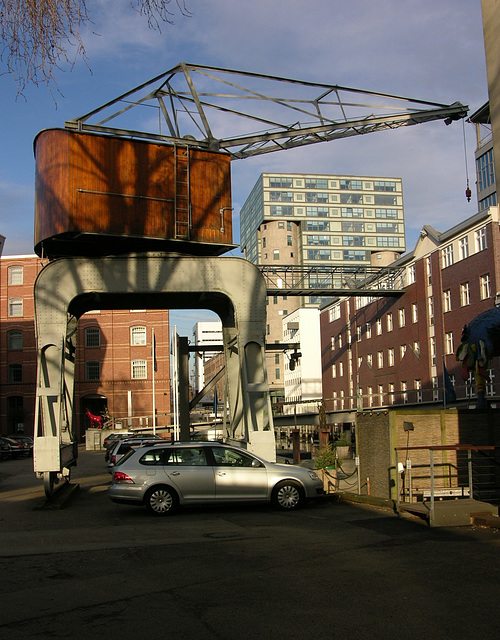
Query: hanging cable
[468, 192]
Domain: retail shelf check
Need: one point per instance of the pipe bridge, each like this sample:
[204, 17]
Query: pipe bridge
[333, 280]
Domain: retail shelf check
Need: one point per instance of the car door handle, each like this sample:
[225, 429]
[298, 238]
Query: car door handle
[175, 473]
[221, 473]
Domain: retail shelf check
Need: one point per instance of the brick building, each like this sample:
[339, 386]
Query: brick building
[114, 364]
[381, 351]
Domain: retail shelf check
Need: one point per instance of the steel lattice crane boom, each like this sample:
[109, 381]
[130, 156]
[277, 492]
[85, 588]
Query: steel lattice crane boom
[282, 113]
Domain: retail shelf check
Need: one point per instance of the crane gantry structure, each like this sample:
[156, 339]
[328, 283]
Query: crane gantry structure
[149, 172]
[281, 113]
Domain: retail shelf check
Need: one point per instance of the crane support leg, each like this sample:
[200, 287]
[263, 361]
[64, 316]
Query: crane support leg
[68, 287]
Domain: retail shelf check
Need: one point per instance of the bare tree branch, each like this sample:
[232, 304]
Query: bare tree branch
[37, 36]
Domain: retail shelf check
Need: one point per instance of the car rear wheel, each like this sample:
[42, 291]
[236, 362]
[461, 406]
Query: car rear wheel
[288, 495]
[161, 501]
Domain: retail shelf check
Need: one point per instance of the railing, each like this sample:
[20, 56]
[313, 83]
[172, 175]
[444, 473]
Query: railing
[471, 473]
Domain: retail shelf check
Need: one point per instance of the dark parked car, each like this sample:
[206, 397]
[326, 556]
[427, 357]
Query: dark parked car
[27, 440]
[16, 449]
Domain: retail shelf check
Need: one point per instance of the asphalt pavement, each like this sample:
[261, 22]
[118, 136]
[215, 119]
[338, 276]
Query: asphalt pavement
[332, 570]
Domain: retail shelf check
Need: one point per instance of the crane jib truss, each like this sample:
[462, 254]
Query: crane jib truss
[282, 113]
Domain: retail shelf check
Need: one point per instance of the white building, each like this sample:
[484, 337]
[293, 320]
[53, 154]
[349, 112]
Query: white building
[303, 376]
[204, 334]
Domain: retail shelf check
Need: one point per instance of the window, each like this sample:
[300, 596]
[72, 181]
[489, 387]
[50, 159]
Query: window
[463, 246]
[139, 370]
[351, 226]
[402, 351]
[369, 359]
[485, 286]
[316, 197]
[428, 270]
[368, 330]
[485, 170]
[350, 254]
[384, 185]
[385, 200]
[433, 350]
[386, 213]
[340, 340]
[276, 358]
[448, 343]
[464, 294]
[264, 242]
[334, 313]
[351, 198]
[352, 241]
[92, 370]
[431, 310]
[281, 210]
[352, 212]
[354, 185]
[404, 387]
[332, 343]
[16, 275]
[14, 340]
[412, 276]
[289, 241]
[358, 334]
[317, 240]
[319, 254]
[317, 212]
[277, 374]
[390, 356]
[416, 347]
[447, 300]
[334, 370]
[481, 239]
[15, 307]
[280, 182]
[390, 389]
[137, 336]
[447, 256]
[378, 324]
[387, 241]
[402, 317]
[417, 385]
[317, 225]
[387, 227]
[380, 393]
[92, 337]
[414, 312]
[15, 373]
[281, 196]
[380, 359]
[316, 183]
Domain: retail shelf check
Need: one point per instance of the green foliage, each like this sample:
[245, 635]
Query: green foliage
[327, 457]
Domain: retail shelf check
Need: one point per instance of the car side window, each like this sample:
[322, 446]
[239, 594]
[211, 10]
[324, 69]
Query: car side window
[157, 456]
[231, 458]
[187, 457]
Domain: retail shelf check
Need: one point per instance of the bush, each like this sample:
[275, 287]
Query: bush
[327, 457]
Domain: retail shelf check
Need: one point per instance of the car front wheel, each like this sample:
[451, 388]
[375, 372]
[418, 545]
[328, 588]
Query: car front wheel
[161, 501]
[288, 495]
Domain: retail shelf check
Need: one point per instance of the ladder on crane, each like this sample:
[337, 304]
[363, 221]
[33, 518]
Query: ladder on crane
[182, 196]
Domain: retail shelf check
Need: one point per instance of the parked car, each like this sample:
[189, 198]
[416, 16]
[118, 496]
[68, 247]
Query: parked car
[27, 440]
[163, 477]
[16, 449]
[120, 448]
[4, 450]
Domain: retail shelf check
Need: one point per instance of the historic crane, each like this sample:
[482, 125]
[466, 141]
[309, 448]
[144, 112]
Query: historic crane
[150, 172]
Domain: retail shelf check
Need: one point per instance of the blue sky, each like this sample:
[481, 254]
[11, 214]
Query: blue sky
[417, 48]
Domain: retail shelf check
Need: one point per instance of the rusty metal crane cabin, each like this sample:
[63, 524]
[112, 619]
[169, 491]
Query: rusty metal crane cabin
[134, 211]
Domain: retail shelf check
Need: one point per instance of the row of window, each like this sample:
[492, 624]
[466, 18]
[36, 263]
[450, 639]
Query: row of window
[447, 253]
[324, 197]
[138, 337]
[284, 182]
[465, 297]
[139, 371]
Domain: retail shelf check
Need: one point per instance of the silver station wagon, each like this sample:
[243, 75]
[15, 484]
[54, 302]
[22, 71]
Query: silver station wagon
[165, 476]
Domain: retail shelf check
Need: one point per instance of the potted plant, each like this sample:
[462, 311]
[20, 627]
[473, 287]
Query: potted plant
[342, 446]
[325, 462]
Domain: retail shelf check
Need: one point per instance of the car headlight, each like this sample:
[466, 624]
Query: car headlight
[313, 476]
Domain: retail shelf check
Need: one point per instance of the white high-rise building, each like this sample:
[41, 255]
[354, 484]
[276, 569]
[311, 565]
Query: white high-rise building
[312, 219]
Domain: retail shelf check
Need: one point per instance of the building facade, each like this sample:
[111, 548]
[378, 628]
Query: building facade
[205, 334]
[383, 351]
[114, 369]
[303, 387]
[308, 219]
